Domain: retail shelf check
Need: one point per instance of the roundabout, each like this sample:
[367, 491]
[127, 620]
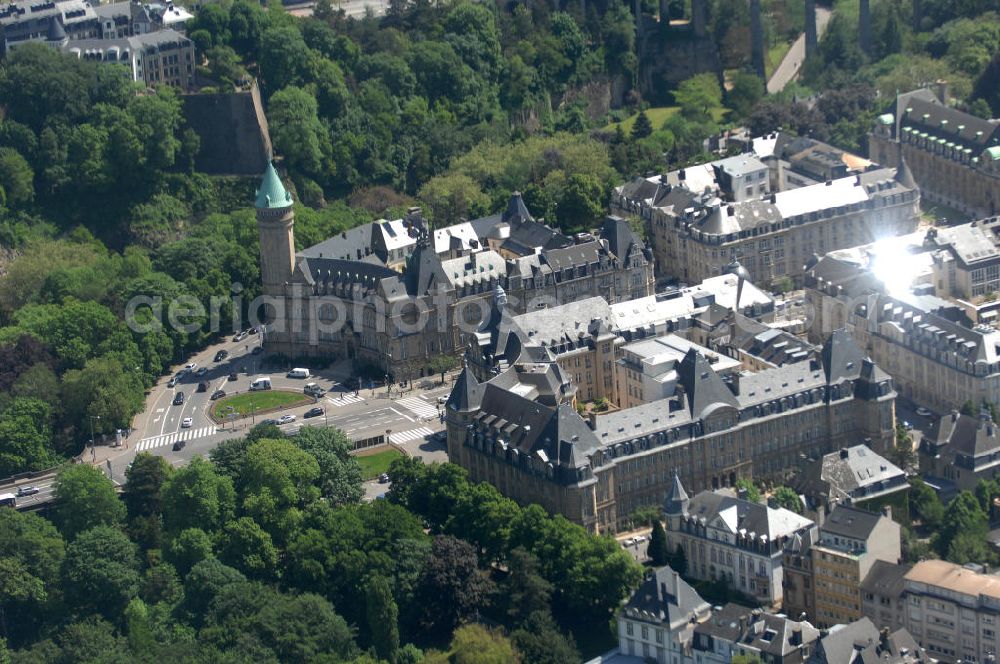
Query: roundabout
[256, 403]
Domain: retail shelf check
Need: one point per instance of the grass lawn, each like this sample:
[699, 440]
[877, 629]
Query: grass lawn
[935, 212]
[373, 465]
[258, 402]
[657, 116]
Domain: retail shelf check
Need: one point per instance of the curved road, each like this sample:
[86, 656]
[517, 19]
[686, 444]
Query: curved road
[788, 70]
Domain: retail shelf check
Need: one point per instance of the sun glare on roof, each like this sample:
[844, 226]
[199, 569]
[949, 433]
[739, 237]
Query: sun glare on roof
[893, 265]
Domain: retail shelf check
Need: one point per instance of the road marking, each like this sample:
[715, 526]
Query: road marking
[419, 406]
[160, 410]
[170, 438]
[412, 434]
[402, 415]
[345, 400]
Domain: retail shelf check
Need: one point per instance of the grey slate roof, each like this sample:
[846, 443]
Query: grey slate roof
[352, 244]
[852, 522]
[703, 387]
[621, 239]
[775, 523]
[862, 643]
[530, 235]
[665, 598]
[967, 435]
[677, 500]
[885, 579]
[467, 393]
[856, 473]
[841, 357]
[516, 212]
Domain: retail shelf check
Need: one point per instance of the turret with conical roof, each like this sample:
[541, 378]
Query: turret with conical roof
[904, 175]
[275, 228]
[675, 505]
[272, 193]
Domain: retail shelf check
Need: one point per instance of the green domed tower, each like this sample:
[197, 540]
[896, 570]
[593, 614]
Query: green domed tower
[275, 227]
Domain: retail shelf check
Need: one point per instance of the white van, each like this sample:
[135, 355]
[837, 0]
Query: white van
[299, 372]
[261, 384]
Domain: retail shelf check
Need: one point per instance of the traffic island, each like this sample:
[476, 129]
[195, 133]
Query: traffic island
[256, 403]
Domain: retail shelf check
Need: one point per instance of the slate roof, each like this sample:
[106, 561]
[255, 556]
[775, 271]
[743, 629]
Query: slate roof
[569, 322]
[776, 636]
[703, 387]
[467, 393]
[352, 244]
[851, 522]
[841, 357]
[886, 579]
[516, 212]
[967, 435]
[976, 133]
[621, 239]
[677, 499]
[665, 598]
[856, 473]
[572, 255]
[738, 515]
[860, 642]
[424, 271]
[530, 236]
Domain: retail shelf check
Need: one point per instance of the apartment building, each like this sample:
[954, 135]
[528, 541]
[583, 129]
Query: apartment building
[855, 475]
[768, 209]
[961, 449]
[954, 156]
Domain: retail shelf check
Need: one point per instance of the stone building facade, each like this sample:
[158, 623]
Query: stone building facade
[517, 428]
[340, 300]
[954, 156]
[768, 211]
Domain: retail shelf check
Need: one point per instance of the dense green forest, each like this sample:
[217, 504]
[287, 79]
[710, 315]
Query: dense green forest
[265, 554]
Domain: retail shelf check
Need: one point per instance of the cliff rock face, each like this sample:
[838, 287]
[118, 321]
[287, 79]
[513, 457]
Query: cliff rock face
[233, 132]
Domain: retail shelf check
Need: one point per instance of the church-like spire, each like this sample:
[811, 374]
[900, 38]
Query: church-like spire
[272, 193]
[677, 500]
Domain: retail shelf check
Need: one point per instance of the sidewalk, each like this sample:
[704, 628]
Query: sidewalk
[788, 70]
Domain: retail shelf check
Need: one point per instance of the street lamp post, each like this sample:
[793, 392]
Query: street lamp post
[253, 414]
[93, 441]
[388, 385]
[326, 419]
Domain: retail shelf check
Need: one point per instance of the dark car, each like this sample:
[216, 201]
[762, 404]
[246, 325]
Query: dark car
[179, 399]
[27, 491]
[221, 355]
[253, 330]
[179, 445]
[233, 376]
[203, 386]
[269, 421]
[313, 412]
[218, 394]
[257, 350]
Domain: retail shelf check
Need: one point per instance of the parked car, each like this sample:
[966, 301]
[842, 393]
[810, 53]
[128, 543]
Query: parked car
[202, 371]
[924, 412]
[253, 330]
[383, 478]
[27, 491]
[240, 336]
[203, 386]
[286, 419]
[218, 394]
[179, 445]
[221, 355]
[179, 399]
[269, 421]
[187, 422]
[313, 412]
[232, 375]
[191, 366]
[172, 381]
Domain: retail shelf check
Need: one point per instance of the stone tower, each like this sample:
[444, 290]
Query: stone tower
[811, 39]
[275, 221]
[757, 39]
[865, 26]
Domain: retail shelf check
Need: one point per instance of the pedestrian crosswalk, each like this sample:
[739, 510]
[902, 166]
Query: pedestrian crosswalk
[412, 434]
[345, 399]
[171, 438]
[418, 406]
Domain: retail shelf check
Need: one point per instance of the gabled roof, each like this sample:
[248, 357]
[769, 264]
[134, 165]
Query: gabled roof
[702, 386]
[841, 356]
[272, 193]
[677, 499]
[467, 393]
[620, 237]
[967, 435]
[665, 598]
[852, 522]
[424, 271]
[516, 212]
